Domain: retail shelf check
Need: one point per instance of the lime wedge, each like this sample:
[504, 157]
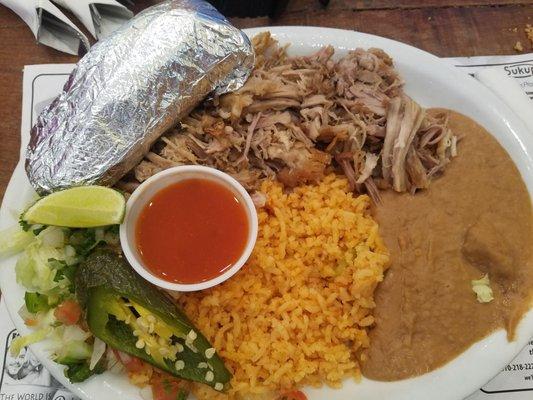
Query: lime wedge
[79, 207]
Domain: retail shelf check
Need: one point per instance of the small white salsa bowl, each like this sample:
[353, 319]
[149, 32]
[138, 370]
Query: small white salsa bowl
[145, 192]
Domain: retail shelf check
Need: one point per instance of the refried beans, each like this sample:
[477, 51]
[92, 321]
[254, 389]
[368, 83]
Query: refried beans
[475, 219]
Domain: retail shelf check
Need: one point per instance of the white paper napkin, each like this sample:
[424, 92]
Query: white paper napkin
[49, 25]
[509, 91]
[100, 17]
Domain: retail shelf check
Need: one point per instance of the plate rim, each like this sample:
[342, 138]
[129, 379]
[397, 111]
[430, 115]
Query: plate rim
[512, 120]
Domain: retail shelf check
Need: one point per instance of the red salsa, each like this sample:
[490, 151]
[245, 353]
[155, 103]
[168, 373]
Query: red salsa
[191, 231]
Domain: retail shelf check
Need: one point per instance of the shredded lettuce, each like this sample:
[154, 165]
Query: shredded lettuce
[39, 320]
[53, 236]
[33, 268]
[73, 352]
[47, 265]
[44, 323]
[73, 332]
[13, 240]
[22, 341]
[49, 262]
[68, 344]
[482, 289]
[46, 269]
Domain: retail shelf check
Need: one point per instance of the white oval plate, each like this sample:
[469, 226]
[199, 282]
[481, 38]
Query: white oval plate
[431, 82]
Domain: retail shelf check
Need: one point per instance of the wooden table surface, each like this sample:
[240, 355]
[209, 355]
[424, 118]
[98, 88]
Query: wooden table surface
[442, 27]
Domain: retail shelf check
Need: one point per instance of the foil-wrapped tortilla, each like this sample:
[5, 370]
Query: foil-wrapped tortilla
[131, 88]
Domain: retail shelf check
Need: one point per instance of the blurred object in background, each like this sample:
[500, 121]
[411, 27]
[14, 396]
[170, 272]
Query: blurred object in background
[100, 17]
[49, 25]
[243, 8]
[254, 8]
[53, 28]
[127, 3]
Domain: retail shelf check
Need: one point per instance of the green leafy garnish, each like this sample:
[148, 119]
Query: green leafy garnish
[36, 302]
[24, 225]
[79, 372]
[182, 395]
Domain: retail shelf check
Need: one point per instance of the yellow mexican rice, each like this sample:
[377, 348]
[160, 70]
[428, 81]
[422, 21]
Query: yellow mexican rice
[298, 312]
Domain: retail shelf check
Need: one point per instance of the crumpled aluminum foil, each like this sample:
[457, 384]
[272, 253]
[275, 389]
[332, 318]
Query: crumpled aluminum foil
[131, 88]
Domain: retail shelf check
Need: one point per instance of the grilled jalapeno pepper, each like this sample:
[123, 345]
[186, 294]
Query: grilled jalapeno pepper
[133, 316]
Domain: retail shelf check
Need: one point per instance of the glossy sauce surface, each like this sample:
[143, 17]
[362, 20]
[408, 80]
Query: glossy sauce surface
[191, 231]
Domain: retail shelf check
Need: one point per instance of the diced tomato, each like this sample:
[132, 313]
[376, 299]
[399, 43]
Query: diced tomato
[166, 387]
[293, 395]
[68, 312]
[31, 322]
[135, 365]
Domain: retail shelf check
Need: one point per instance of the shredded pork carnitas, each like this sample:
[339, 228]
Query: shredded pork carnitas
[298, 116]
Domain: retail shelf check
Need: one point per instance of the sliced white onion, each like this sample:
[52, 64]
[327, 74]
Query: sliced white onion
[99, 234]
[74, 332]
[53, 237]
[98, 351]
[24, 313]
[113, 363]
